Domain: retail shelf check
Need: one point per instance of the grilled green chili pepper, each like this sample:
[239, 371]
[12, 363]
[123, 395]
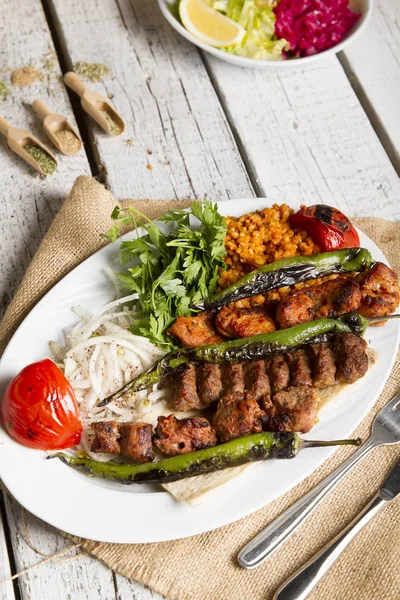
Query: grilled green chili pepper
[289, 271]
[255, 347]
[258, 446]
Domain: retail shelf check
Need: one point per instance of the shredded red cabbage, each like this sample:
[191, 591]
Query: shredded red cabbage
[311, 26]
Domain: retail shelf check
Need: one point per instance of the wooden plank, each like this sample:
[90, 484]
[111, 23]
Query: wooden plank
[6, 589]
[307, 138]
[161, 88]
[81, 577]
[373, 65]
[28, 206]
[28, 203]
[130, 590]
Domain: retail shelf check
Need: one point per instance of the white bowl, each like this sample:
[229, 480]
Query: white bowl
[359, 6]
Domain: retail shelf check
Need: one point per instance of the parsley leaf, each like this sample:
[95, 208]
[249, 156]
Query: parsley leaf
[170, 271]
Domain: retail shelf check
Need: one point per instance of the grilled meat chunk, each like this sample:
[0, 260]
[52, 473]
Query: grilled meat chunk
[184, 389]
[179, 436]
[233, 379]
[373, 293]
[106, 437]
[136, 441]
[278, 372]
[256, 379]
[379, 290]
[299, 405]
[271, 419]
[295, 309]
[347, 300]
[243, 322]
[299, 366]
[329, 299]
[351, 358]
[237, 415]
[323, 364]
[195, 331]
[131, 439]
[209, 384]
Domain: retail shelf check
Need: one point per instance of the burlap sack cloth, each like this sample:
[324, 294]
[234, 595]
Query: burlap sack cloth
[204, 567]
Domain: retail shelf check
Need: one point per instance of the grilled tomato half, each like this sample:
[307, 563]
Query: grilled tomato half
[39, 408]
[328, 227]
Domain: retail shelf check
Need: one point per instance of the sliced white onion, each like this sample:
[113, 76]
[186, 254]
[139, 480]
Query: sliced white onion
[96, 385]
[99, 357]
[70, 367]
[58, 350]
[154, 396]
[114, 280]
[81, 384]
[81, 312]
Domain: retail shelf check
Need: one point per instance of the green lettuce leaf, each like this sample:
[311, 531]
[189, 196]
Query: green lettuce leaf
[258, 19]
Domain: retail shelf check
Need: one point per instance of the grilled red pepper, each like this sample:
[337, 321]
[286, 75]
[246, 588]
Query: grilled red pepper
[328, 227]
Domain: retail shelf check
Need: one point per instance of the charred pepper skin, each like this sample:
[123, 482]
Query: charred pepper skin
[259, 446]
[290, 271]
[255, 347]
[328, 227]
[251, 448]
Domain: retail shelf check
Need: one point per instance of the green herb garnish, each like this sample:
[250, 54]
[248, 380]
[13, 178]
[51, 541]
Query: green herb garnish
[4, 91]
[44, 160]
[92, 71]
[170, 271]
[114, 127]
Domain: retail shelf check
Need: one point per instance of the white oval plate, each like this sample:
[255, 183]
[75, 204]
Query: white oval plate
[109, 512]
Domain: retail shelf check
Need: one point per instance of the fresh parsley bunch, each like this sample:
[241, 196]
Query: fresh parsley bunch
[173, 270]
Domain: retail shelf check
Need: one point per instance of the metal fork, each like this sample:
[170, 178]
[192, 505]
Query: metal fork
[385, 431]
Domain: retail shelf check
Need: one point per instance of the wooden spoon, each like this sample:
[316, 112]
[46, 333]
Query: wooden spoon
[17, 139]
[96, 105]
[52, 124]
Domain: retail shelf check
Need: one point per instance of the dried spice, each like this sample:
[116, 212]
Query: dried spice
[25, 76]
[92, 71]
[44, 160]
[4, 91]
[115, 129]
[68, 141]
[129, 142]
[49, 61]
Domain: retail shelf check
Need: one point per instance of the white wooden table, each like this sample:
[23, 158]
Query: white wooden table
[330, 133]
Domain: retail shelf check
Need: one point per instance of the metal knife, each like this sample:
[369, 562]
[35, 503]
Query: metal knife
[300, 585]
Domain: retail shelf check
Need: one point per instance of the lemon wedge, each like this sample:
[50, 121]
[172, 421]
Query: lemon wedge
[209, 25]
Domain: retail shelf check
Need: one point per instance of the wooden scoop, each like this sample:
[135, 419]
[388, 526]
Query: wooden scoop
[96, 105]
[17, 139]
[53, 124]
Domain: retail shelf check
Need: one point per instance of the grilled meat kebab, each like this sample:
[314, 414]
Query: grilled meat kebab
[343, 360]
[372, 293]
[278, 394]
